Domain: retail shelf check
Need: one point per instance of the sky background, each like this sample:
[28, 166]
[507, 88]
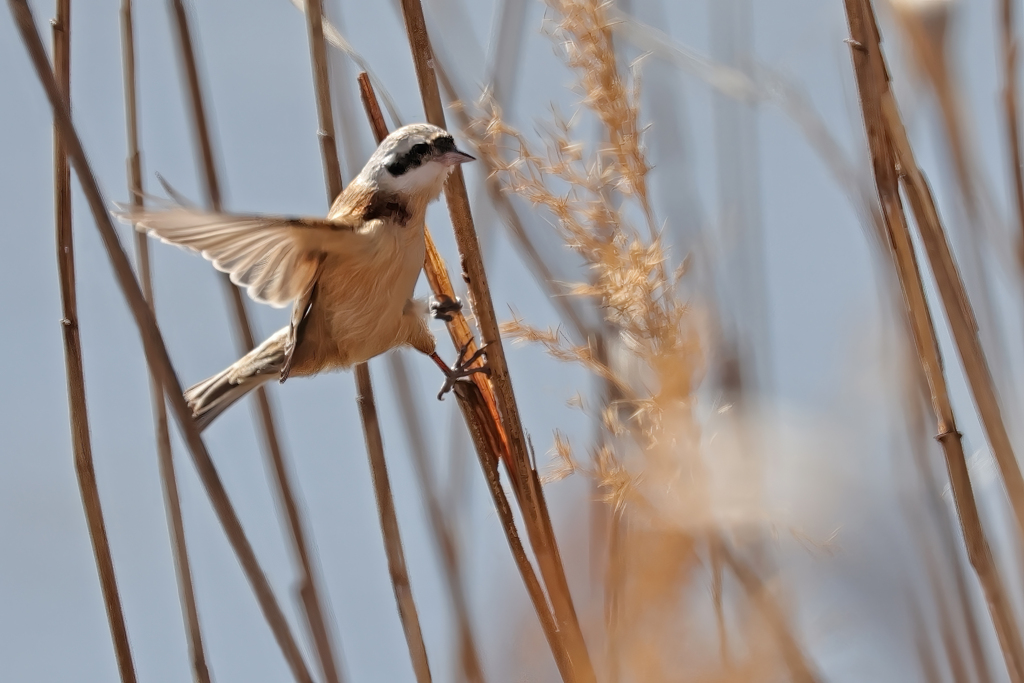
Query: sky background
[827, 401]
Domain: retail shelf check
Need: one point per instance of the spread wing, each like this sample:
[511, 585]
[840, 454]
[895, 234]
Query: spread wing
[274, 257]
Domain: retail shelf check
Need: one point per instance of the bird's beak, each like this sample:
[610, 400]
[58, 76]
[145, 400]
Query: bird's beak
[455, 157]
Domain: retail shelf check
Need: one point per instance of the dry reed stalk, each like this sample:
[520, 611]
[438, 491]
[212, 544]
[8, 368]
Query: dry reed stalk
[1008, 45]
[309, 593]
[440, 522]
[153, 344]
[364, 387]
[488, 438]
[165, 457]
[948, 546]
[468, 656]
[488, 449]
[525, 483]
[389, 527]
[81, 443]
[873, 86]
[954, 297]
[926, 27]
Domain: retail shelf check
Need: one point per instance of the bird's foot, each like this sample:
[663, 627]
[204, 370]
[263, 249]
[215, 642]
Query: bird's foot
[444, 306]
[461, 369]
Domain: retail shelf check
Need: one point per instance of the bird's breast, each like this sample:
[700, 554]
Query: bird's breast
[361, 297]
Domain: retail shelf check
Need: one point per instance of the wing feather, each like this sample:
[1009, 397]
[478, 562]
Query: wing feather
[274, 257]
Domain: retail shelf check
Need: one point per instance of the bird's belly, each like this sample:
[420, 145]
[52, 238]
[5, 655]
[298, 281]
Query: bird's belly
[362, 302]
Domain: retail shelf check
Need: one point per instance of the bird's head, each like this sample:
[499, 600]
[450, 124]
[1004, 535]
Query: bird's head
[414, 161]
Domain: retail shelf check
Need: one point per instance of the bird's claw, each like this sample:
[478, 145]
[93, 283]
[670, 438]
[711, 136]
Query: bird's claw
[461, 369]
[444, 306]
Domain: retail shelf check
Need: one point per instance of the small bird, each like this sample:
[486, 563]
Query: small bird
[350, 276]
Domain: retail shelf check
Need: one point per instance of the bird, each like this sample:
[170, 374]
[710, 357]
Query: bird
[349, 276]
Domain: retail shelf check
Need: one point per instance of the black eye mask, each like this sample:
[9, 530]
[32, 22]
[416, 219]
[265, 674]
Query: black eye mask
[419, 153]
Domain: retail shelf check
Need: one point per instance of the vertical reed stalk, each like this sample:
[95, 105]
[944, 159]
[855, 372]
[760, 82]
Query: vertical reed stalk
[1008, 46]
[962, 321]
[364, 386]
[525, 482]
[873, 86]
[440, 522]
[168, 477]
[389, 526]
[482, 421]
[469, 658]
[80, 440]
[153, 343]
[309, 593]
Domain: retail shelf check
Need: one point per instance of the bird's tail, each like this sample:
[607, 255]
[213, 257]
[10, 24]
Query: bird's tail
[212, 396]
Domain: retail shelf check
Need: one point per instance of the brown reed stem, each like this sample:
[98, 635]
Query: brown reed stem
[81, 443]
[489, 446]
[873, 86]
[165, 457]
[1008, 46]
[308, 591]
[440, 523]
[367, 405]
[153, 344]
[954, 298]
[524, 481]
[389, 526]
[481, 419]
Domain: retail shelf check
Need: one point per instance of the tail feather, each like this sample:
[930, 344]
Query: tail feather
[214, 395]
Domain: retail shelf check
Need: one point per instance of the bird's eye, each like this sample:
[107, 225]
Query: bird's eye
[419, 149]
[444, 144]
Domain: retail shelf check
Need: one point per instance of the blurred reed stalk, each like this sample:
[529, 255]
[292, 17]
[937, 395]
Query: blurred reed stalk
[888, 145]
[1009, 48]
[955, 300]
[165, 457]
[153, 344]
[484, 427]
[81, 443]
[367, 405]
[309, 592]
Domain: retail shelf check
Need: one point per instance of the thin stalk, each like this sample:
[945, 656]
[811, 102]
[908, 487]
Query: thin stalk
[954, 299]
[153, 344]
[1008, 47]
[489, 446]
[524, 480]
[389, 527]
[440, 523]
[367, 405]
[873, 86]
[81, 443]
[484, 427]
[469, 658]
[309, 593]
[165, 457]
